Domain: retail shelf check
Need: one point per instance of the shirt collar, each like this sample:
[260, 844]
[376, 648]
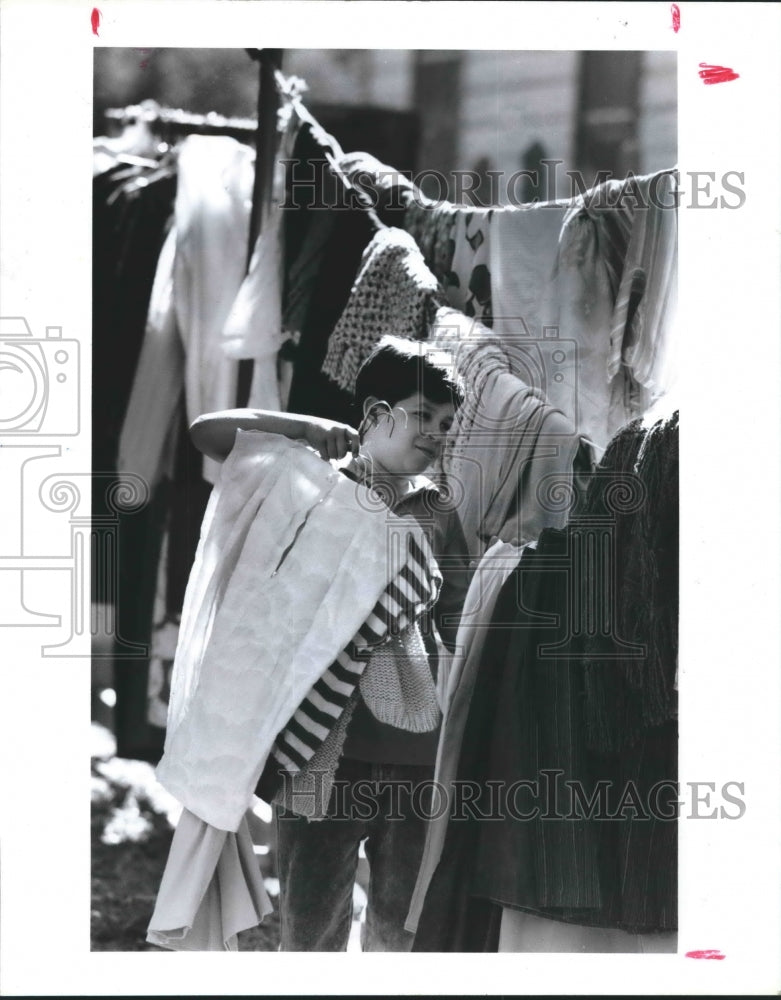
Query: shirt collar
[418, 484]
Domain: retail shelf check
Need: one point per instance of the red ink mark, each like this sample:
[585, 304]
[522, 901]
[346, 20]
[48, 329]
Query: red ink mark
[676, 13]
[716, 74]
[705, 953]
[95, 20]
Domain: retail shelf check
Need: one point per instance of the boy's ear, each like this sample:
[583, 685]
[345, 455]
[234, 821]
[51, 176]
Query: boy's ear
[368, 403]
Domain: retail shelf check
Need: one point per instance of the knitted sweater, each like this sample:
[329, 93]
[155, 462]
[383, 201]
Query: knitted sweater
[394, 292]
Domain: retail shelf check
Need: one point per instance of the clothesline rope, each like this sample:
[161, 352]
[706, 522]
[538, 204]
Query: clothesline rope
[151, 113]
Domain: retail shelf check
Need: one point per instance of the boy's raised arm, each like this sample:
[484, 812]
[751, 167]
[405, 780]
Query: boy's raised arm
[214, 433]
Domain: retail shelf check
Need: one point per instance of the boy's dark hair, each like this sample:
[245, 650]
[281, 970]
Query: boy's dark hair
[398, 368]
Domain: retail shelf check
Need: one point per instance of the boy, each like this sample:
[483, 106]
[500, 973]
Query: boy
[407, 405]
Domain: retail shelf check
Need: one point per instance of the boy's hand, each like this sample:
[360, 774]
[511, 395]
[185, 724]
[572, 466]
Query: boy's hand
[333, 440]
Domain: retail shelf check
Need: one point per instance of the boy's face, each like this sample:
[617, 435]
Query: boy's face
[409, 439]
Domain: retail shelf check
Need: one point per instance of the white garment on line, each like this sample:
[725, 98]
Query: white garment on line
[585, 315]
[642, 341]
[524, 251]
[149, 426]
[213, 203]
[253, 329]
[200, 271]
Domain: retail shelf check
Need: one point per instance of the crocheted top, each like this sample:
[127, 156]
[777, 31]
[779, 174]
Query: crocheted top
[394, 292]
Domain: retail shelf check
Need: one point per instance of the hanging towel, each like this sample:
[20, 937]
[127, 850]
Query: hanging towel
[380, 187]
[645, 303]
[433, 228]
[323, 251]
[509, 453]
[524, 250]
[585, 309]
[469, 286]
[616, 291]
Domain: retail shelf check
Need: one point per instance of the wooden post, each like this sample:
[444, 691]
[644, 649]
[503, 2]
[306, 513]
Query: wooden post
[270, 60]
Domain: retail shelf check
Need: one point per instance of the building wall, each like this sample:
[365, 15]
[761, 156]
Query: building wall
[513, 100]
[658, 123]
[496, 110]
[379, 77]
[476, 109]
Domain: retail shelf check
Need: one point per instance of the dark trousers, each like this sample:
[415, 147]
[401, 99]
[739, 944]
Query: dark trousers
[318, 860]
